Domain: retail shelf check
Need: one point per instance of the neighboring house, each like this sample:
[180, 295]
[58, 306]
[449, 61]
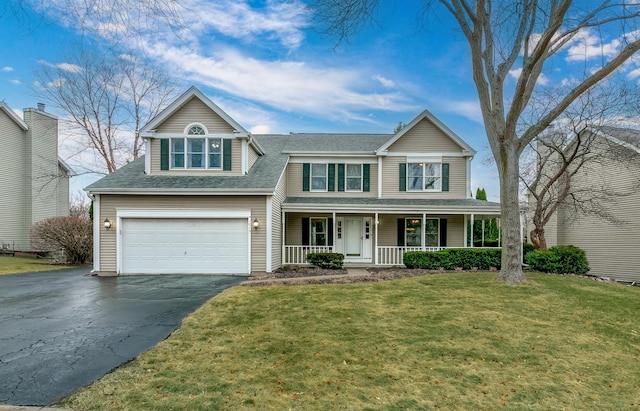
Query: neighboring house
[34, 181]
[210, 197]
[611, 247]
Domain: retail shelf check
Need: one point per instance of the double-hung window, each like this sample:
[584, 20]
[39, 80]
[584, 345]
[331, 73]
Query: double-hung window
[318, 231]
[413, 232]
[424, 176]
[318, 177]
[353, 177]
[196, 153]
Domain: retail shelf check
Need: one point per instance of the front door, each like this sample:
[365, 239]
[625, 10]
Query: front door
[353, 237]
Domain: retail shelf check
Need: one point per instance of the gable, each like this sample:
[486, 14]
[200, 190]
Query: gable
[424, 137]
[194, 111]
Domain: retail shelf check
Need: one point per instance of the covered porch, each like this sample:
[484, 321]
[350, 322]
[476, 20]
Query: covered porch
[378, 232]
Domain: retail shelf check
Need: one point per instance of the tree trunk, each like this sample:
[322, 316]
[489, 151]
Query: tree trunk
[537, 237]
[509, 170]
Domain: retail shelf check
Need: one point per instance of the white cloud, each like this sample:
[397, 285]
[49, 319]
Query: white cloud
[261, 129]
[57, 82]
[286, 85]
[7, 69]
[72, 68]
[16, 81]
[586, 45]
[469, 109]
[385, 81]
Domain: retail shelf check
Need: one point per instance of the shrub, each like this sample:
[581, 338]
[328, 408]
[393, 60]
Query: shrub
[73, 235]
[565, 259]
[452, 258]
[326, 260]
[526, 249]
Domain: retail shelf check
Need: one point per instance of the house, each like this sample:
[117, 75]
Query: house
[210, 197]
[34, 181]
[608, 228]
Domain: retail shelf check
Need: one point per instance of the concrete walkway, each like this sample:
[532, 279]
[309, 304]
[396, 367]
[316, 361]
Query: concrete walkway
[21, 408]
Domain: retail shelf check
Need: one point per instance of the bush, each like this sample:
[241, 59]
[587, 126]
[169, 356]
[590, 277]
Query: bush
[452, 258]
[326, 260]
[564, 259]
[526, 249]
[73, 235]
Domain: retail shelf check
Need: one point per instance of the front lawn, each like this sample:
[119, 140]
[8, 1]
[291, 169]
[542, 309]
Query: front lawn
[15, 265]
[446, 341]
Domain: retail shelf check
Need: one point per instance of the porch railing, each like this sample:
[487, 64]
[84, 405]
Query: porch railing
[297, 254]
[393, 255]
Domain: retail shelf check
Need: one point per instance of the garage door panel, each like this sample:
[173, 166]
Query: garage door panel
[191, 246]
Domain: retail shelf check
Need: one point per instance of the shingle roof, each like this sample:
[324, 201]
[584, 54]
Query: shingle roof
[625, 135]
[319, 142]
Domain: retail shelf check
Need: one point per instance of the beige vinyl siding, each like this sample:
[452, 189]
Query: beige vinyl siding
[43, 132]
[63, 192]
[252, 156]
[293, 234]
[13, 183]
[194, 111]
[236, 162]
[457, 179]
[425, 137]
[276, 218]
[109, 204]
[612, 250]
[294, 186]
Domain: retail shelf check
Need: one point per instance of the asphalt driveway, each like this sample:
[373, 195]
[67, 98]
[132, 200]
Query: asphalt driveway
[61, 330]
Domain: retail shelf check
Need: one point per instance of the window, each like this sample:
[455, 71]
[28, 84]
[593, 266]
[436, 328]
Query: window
[318, 231]
[424, 177]
[413, 232]
[354, 177]
[318, 177]
[200, 153]
[196, 131]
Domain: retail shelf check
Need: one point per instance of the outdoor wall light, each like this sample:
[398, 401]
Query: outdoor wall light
[256, 224]
[107, 224]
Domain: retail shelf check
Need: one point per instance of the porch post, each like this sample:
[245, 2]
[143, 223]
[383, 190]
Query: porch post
[483, 232]
[423, 235]
[333, 247]
[472, 221]
[466, 224]
[284, 250]
[499, 232]
[375, 236]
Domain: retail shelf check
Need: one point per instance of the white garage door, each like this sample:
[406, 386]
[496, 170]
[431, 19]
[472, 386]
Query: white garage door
[185, 246]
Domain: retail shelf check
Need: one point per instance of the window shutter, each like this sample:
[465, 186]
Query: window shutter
[330, 231]
[443, 232]
[445, 176]
[164, 154]
[226, 154]
[366, 170]
[305, 231]
[340, 177]
[306, 171]
[401, 224]
[331, 179]
[402, 177]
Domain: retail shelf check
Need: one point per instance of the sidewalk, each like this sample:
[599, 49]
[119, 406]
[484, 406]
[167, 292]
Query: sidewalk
[351, 272]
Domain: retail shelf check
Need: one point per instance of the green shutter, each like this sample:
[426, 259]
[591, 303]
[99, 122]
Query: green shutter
[401, 224]
[164, 154]
[340, 177]
[331, 183]
[366, 181]
[445, 176]
[305, 231]
[330, 232]
[402, 177]
[443, 232]
[226, 154]
[306, 172]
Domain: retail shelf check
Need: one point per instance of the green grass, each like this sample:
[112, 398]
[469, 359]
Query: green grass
[451, 341]
[16, 265]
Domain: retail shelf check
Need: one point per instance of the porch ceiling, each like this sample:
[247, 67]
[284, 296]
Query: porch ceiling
[393, 205]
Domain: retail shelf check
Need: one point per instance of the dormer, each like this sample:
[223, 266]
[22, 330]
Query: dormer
[193, 136]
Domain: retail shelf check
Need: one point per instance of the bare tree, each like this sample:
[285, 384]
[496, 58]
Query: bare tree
[513, 37]
[106, 99]
[551, 162]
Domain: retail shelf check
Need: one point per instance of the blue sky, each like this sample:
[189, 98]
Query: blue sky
[267, 66]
